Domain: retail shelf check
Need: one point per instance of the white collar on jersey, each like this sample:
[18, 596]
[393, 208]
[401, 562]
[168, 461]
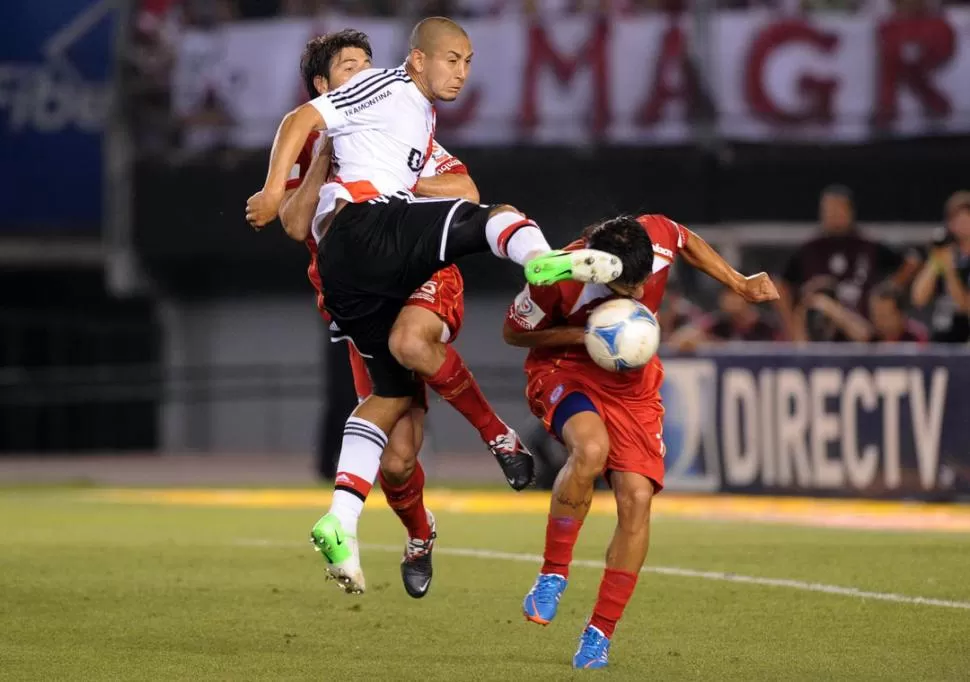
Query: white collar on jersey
[590, 293]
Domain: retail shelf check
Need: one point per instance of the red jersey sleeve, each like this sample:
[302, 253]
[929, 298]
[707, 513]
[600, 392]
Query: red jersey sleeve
[534, 308]
[668, 236]
[302, 165]
[681, 233]
[441, 162]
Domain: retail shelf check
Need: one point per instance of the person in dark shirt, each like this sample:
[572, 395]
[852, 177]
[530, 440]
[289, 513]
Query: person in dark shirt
[737, 320]
[888, 322]
[841, 262]
[945, 276]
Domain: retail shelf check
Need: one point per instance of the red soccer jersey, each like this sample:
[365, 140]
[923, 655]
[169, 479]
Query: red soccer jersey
[570, 303]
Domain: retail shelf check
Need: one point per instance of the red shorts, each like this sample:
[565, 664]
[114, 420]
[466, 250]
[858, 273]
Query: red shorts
[634, 423]
[442, 295]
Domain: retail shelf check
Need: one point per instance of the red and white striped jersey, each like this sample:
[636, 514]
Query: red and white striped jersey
[382, 128]
[439, 163]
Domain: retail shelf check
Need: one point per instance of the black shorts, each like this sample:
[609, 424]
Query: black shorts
[373, 257]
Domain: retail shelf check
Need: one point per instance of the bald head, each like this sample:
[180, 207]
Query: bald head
[429, 33]
[440, 58]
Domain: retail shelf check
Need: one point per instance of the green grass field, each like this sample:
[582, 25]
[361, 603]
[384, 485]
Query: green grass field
[105, 590]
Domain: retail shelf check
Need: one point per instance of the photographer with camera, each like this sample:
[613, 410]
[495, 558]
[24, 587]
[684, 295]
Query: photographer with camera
[945, 276]
[841, 263]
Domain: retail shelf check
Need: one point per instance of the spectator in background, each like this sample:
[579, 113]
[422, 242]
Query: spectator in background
[202, 81]
[675, 313]
[887, 323]
[841, 262]
[945, 276]
[737, 320]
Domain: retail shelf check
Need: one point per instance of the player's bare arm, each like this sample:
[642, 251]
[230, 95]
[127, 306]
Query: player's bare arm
[755, 288]
[458, 185]
[299, 205]
[543, 338]
[297, 125]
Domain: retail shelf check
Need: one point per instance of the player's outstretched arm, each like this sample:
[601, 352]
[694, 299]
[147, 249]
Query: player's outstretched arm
[544, 338]
[300, 205]
[755, 289]
[459, 185]
[263, 206]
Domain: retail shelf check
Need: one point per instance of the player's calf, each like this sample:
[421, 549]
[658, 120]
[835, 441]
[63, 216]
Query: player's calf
[624, 559]
[400, 458]
[416, 342]
[588, 444]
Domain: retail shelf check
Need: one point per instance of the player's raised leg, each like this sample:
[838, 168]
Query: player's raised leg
[510, 235]
[578, 423]
[624, 559]
[418, 342]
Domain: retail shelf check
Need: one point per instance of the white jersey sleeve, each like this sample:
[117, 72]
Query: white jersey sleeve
[351, 107]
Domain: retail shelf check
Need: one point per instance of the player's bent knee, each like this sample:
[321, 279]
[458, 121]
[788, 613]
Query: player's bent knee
[589, 457]
[633, 502]
[397, 466]
[409, 346]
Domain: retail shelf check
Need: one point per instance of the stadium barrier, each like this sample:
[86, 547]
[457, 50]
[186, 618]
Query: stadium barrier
[820, 420]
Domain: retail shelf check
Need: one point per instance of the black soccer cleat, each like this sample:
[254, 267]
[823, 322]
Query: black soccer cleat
[416, 565]
[515, 459]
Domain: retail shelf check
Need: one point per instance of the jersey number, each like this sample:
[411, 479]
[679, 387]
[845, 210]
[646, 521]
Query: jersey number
[416, 160]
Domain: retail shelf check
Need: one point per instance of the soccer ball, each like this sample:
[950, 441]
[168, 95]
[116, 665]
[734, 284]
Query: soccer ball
[621, 335]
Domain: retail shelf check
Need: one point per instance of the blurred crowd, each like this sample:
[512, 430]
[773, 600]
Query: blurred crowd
[840, 286]
[223, 10]
[847, 286]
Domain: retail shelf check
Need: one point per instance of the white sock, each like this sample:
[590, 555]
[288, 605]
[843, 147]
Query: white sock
[513, 236]
[360, 458]
[527, 242]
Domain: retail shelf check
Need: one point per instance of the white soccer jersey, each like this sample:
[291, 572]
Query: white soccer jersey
[382, 129]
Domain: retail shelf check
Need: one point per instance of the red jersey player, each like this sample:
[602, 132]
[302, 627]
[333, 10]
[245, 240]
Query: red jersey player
[610, 422]
[434, 311]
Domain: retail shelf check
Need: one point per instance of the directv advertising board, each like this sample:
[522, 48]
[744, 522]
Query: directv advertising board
[819, 422]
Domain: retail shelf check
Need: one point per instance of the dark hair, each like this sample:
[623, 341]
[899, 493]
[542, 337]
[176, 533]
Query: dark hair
[889, 290]
[623, 236]
[320, 51]
[839, 191]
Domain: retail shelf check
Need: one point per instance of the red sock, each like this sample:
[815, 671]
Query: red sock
[561, 534]
[615, 591]
[407, 501]
[455, 383]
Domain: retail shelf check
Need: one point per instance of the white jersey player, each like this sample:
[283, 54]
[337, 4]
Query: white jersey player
[382, 243]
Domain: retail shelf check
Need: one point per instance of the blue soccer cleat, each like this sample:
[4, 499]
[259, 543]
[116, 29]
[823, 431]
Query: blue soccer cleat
[543, 599]
[593, 651]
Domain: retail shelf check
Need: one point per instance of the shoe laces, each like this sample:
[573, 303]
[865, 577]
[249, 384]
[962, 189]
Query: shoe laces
[417, 547]
[592, 640]
[506, 444]
[548, 588]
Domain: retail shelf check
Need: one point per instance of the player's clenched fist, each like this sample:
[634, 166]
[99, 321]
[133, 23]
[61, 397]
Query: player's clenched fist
[263, 207]
[758, 289]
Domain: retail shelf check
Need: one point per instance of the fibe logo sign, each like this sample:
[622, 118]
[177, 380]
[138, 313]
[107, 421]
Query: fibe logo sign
[57, 75]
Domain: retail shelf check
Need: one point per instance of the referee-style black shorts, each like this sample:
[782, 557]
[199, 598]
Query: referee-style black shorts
[373, 257]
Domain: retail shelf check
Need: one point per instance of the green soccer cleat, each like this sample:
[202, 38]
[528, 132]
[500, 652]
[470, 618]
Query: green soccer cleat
[582, 265]
[341, 553]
